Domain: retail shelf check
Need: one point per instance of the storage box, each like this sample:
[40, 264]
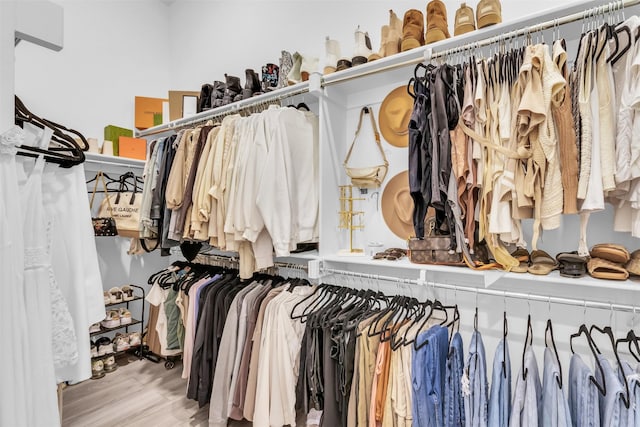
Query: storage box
[182, 103]
[146, 111]
[113, 133]
[133, 148]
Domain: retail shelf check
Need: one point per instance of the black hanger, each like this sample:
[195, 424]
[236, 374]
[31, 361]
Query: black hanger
[609, 333]
[437, 305]
[528, 341]
[548, 333]
[505, 331]
[631, 338]
[602, 388]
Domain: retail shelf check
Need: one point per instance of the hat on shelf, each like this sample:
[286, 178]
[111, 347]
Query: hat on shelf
[394, 116]
[397, 206]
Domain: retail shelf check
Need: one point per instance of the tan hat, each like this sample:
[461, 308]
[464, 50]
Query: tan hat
[397, 206]
[395, 113]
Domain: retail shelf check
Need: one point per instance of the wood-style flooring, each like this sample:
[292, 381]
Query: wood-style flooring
[138, 393]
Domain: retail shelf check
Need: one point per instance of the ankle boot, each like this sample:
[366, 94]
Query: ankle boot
[384, 36]
[465, 21]
[233, 89]
[363, 47]
[343, 64]
[286, 63]
[294, 74]
[269, 77]
[412, 30]
[488, 12]
[204, 101]
[437, 28]
[217, 94]
[395, 35]
[251, 85]
[308, 65]
[332, 48]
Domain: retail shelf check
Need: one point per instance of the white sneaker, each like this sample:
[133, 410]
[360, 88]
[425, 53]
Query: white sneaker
[112, 320]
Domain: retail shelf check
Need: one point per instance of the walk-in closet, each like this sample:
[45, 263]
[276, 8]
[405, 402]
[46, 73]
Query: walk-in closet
[285, 213]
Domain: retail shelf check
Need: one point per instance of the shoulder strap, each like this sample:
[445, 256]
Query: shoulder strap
[100, 177]
[366, 110]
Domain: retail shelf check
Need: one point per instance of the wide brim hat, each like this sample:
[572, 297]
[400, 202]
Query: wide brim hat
[397, 206]
[394, 115]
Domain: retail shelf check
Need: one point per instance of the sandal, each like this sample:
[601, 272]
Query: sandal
[542, 263]
[633, 266]
[611, 252]
[522, 255]
[391, 254]
[112, 320]
[572, 264]
[125, 316]
[604, 269]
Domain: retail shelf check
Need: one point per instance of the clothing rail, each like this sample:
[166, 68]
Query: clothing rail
[246, 104]
[597, 8]
[491, 292]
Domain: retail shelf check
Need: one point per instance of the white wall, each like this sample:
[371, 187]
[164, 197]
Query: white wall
[113, 51]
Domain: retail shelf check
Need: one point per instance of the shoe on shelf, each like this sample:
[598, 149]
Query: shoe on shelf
[233, 89]
[362, 49]
[394, 40]
[115, 294]
[94, 328]
[110, 364]
[97, 369]
[294, 75]
[384, 36]
[465, 21]
[251, 85]
[286, 64]
[134, 339]
[104, 346]
[332, 49]
[112, 320]
[125, 316]
[412, 30]
[94, 349]
[127, 293]
[204, 101]
[437, 28]
[270, 74]
[107, 297]
[217, 94]
[308, 65]
[343, 64]
[121, 342]
[488, 12]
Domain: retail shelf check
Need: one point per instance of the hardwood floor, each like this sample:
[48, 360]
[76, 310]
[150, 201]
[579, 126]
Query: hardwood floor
[138, 393]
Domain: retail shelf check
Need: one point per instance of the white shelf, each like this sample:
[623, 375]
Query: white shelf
[95, 162]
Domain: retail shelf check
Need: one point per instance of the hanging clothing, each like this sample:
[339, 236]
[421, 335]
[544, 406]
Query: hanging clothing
[500, 397]
[583, 394]
[526, 410]
[555, 407]
[475, 386]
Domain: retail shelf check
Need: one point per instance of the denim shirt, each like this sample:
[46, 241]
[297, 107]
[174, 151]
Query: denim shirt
[475, 386]
[630, 417]
[500, 397]
[555, 407]
[583, 395]
[453, 401]
[428, 376]
[527, 395]
[611, 404]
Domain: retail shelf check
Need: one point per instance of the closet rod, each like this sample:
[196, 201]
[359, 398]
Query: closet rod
[491, 292]
[566, 19]
[233, 108]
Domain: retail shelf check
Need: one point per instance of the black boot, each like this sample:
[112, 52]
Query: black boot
[204, 101]
[232, 90]
[252, 84]
[269, 77]
[217, 94]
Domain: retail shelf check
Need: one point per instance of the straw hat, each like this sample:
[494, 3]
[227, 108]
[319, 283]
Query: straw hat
[397, 206]
[395, 113]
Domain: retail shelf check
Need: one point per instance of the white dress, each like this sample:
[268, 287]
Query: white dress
[15, 384]
[74, 260]
[43, 402]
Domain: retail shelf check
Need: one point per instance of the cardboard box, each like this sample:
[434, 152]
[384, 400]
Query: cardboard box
[182, 102]
[146, 110]
[133, 148]
[113, 133]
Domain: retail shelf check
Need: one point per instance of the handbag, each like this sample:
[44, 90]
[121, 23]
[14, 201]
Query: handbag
[433, 249]
[102, 225]
[124, 206]
[371, 176]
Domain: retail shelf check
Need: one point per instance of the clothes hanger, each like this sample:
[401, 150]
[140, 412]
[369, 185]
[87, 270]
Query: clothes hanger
[602, 388]
[436, 305]
[528, 341]
[548, 333]
[609, 333]
[631, 338]
[505, 331]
